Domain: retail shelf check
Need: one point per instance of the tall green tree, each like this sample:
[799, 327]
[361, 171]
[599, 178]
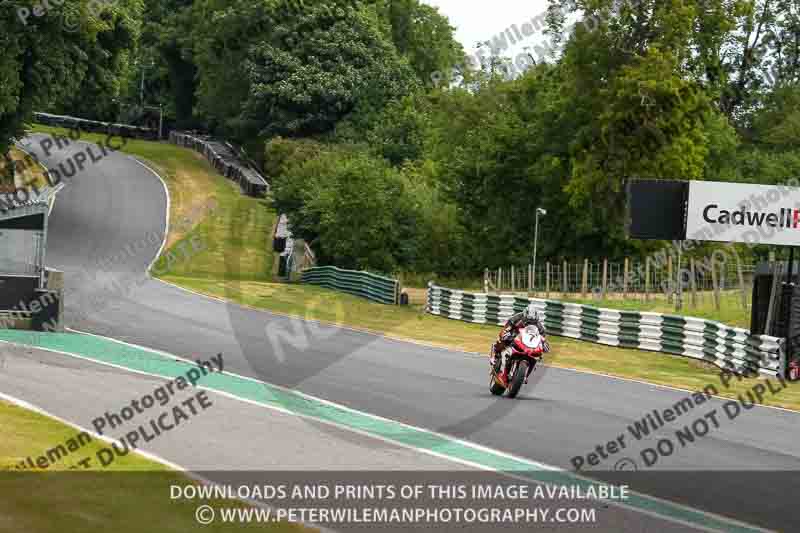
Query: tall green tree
[424, 36]
[318, 66]
[43, 60]
[167, 45]
[109, 62]
[223, 33]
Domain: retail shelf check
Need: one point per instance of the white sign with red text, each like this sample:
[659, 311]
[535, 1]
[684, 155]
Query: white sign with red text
[743, 212]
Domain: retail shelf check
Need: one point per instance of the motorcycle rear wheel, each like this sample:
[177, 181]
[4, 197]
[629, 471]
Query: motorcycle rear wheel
[518, 379]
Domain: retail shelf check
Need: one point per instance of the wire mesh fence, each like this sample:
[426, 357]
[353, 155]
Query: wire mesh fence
[712, 283]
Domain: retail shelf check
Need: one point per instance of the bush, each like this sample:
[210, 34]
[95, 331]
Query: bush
[399, 134]
[6, 170]
[357, 211]
[282, 154]
[350, 207]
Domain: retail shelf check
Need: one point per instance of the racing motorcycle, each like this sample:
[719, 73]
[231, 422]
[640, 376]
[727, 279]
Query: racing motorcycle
[521, 358]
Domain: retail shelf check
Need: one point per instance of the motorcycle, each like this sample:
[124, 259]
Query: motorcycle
[521, 357]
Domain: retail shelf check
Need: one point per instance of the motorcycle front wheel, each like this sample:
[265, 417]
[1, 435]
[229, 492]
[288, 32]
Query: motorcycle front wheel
[518, 379]
[494, 387]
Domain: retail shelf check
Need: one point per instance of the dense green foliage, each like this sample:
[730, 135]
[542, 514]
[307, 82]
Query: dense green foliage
[108, 62]
[44, 60]
[384, 160]
[305, 86]
[650, 89]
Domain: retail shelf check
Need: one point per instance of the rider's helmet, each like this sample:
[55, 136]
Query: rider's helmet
[531, 314]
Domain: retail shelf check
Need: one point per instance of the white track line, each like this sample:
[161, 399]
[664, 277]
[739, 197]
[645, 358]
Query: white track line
[422, 450]
[380, 335]
[426, 451]
[166, 215]
[25, 405]
[147, 455]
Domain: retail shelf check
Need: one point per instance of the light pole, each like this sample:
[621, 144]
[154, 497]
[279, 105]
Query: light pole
[543, 212]
[141, 86]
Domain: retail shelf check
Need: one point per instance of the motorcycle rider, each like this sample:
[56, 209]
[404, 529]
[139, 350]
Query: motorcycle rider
[529, 317]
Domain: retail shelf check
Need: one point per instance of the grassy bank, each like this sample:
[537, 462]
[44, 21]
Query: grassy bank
[731, 311]
[236, 265]
[32, 174]
[412, 323]
[129, 496]
[235, 230]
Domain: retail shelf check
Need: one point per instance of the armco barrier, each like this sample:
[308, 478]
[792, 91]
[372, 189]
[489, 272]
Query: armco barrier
[95, 126]
[727, 347]
[225, 160]
[364, 284]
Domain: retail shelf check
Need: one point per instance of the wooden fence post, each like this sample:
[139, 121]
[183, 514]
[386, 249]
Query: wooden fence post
[741, 281]
[646, 279]
[547, 282]
[714, 282]
[500, 279]
[565, 284]
[670, 288]
[513, 284]
[605, 277]
[585, 280]
[693, 283]
[486, 281]
[530, 277]
[625, 279]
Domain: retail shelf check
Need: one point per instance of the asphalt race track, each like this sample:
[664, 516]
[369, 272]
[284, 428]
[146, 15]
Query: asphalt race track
[734, 470]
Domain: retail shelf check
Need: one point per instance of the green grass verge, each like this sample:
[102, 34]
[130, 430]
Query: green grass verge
[731, 311]
[130, 496]
[234, 231]
[29, 434]
[236, 264]
[412, 323]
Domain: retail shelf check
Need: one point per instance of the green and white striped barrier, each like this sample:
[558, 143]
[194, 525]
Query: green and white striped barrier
[729, 348]
[365, 284]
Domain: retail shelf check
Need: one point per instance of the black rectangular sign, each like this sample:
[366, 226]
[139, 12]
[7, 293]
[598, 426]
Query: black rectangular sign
[657, 209]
